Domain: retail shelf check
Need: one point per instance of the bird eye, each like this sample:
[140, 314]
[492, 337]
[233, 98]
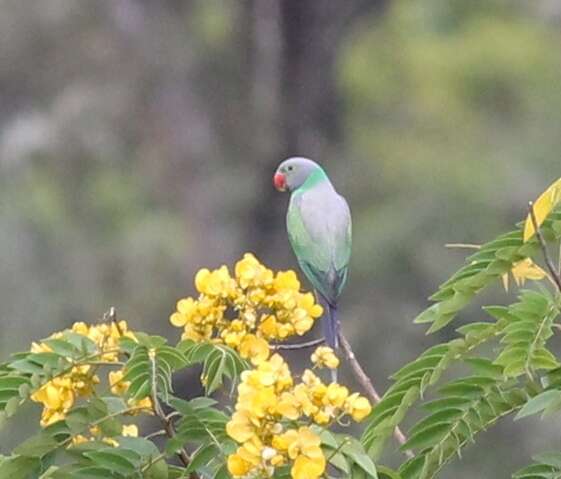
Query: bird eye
[290, 168]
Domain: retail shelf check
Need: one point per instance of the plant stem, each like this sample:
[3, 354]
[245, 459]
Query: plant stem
[166, 420]
[367, 385]
[543, 245]
[307, 344]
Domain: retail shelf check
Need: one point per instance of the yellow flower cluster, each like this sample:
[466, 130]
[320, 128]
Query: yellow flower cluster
[524, 270]
[130, 430]
[120, 387]
[247, 310]
[59, 394]
[270, 404]
[324, 357]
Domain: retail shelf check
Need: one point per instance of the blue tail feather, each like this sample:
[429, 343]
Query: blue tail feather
[331, 326]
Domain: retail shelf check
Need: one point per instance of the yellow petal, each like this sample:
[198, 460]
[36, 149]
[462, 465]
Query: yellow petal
[130, 430]
[527, 269]
[306, 468]
[542, 207]
[178, 320]
[237, 466]
[504, 278]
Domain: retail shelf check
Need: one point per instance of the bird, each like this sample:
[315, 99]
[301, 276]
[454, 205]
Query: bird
[318, 223]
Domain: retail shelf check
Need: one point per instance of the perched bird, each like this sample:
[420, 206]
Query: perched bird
[319, 228]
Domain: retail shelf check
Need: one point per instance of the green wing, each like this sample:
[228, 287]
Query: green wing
[319, 230]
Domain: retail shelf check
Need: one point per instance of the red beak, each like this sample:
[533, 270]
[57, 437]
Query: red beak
[279, 180]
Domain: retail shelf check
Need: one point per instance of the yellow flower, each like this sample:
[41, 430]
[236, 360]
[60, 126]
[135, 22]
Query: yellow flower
[240, 427]
[118, 386]
[177, 319]
[357, 406]
[268, 402]
[251, 451]
[302, 321]
[109, 440]
[60, 393]
[254, 302]
[324, 356]
[335, 395]
[130, 430]
[40, 348]
[302, 446]
[249, 272]
[306, 467]
[142, 406]
[303, 397]
[288, 406]
[79, 439]
[286, 280]
[523, 270]
[214, 283]
[238, 466]
[80, 328]
[57, 397]
[268, 326]
[254, 348]
[307, 302]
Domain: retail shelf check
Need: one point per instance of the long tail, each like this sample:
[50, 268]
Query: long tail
[331, 326]
[331, 330]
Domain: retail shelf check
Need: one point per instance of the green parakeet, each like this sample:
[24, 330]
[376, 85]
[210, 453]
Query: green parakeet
[319, 228]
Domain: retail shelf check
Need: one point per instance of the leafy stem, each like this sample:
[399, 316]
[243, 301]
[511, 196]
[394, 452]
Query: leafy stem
[367, 385]
[165, 420]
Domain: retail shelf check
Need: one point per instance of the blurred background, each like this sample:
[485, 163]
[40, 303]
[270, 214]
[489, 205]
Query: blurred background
[138, 140]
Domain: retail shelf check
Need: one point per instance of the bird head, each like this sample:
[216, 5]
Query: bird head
[293, 173]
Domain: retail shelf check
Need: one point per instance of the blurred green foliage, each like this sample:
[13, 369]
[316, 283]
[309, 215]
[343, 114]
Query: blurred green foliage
[127, 160]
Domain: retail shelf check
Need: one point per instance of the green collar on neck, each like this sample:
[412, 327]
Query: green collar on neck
[317, 176]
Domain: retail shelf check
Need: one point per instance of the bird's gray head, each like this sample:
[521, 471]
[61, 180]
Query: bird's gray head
[293, 173]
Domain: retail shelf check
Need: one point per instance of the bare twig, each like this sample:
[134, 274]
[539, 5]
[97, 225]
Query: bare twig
[161, 432]
[307, 344]
[367, 385]
[549, 263]
[462, 245]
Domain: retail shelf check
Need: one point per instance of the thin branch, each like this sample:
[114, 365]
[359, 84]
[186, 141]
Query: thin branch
[161, 432]
[152, 461]
[367, 385]
[543, 245]
[308, 344]
[462, 245]
[166, 422]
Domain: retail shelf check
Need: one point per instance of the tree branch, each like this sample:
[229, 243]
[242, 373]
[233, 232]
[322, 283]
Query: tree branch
[367, 385]
[549, 263]
[307, 344]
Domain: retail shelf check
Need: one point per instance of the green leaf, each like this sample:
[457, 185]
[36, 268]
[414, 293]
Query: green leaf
[37, 446]
[552, 459]
[387, 473]
[426, 437]
[202, 456]
[539, 403]
[114, 460]
[158, 470]
[355, 452]
[20, 467]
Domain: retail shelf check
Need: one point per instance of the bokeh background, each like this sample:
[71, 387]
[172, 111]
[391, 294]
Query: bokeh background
[138, 139]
